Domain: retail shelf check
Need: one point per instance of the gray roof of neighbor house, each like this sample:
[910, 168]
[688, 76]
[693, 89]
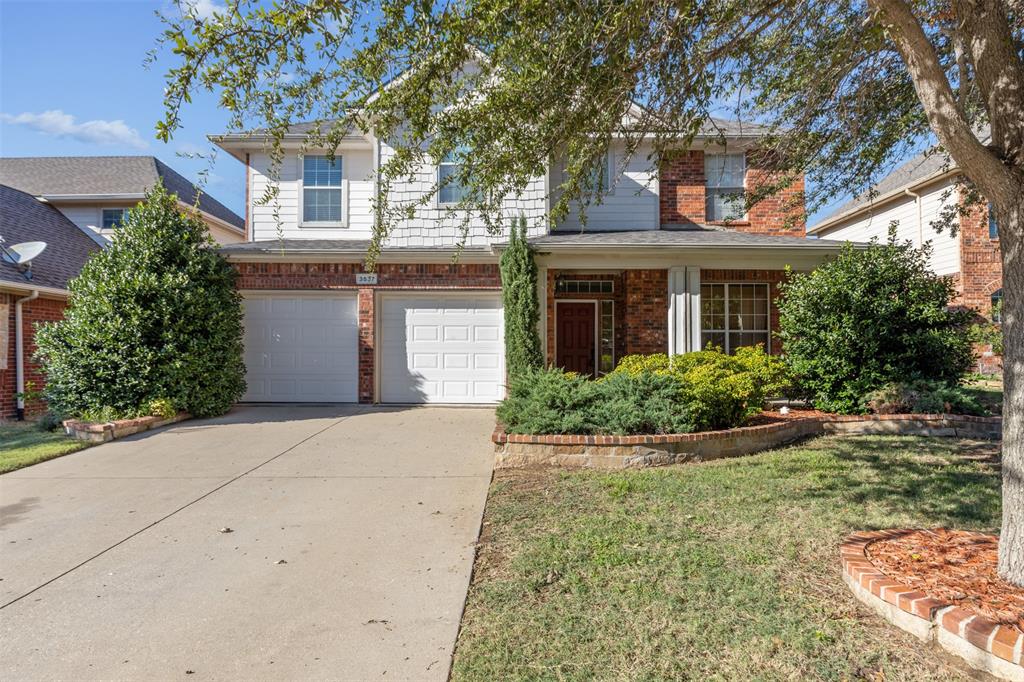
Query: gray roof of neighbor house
[81, 176]
[23, 218]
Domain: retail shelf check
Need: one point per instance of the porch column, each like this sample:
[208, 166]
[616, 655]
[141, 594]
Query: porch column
[683, 310]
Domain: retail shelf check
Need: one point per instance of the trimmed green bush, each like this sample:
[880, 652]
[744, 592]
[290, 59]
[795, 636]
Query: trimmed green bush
[873, 316]
[549, 401]
[519, 296]
[154, 323]
[922, 397]
[719, 391]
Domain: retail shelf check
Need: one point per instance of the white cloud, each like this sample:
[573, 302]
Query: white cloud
[59, 124]
[203, 9]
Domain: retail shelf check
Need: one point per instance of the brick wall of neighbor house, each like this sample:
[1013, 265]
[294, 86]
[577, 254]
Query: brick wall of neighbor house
[772, 277]
[641, 309]
[33, 312]
[682, 197]
[390, 276]
[981, 270]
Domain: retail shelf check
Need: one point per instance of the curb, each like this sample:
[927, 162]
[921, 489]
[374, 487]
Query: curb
[102, 432]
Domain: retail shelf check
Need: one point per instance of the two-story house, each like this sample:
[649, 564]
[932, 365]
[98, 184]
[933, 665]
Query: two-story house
[95, 192]
[657, 269]
[915, 197]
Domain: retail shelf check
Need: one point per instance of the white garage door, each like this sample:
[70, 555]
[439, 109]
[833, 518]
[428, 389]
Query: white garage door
[441, 348]
[301, 348]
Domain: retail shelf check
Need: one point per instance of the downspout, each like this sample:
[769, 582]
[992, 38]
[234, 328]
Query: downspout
[19, 352]
[920, 219]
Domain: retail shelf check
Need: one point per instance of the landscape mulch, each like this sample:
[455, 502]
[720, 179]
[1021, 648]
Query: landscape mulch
[955, 566]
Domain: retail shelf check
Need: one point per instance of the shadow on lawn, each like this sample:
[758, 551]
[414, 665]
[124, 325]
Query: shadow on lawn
[951, 483]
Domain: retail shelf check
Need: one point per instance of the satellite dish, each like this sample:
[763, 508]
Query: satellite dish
[21, 255]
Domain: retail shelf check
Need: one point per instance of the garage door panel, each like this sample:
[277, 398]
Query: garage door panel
[441, 348]
[301, 348]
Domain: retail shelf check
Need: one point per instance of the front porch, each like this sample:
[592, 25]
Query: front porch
[591, 318]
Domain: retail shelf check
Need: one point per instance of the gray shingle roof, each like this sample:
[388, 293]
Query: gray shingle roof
[23, 218]
[698, 236]
[105, 175]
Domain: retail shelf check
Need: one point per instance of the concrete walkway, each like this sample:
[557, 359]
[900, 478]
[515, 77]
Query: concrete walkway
[349, 556]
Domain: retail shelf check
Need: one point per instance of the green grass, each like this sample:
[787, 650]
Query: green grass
[22, 444]
[724, 571]
[988, 391]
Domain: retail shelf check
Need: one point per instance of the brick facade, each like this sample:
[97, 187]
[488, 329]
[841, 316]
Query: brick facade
[33, 312]
[981, 269]
[682, 197]
[390, 276]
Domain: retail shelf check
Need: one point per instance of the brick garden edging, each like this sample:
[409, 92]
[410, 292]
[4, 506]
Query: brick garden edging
[629, 452]
[983, 643]
[101, 432]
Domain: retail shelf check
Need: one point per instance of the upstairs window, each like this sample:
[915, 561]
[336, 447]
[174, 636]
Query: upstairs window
[601, 175]
[724, 185]
[450, 190]
[321, 190]
[997, 306]
[993, 228]
[113, 218]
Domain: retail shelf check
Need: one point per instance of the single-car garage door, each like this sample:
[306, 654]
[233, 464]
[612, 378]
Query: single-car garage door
[301, 347]
[441, 348]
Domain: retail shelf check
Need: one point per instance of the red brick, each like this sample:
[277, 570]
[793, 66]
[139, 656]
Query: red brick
[979, 631]
[1004, 644]
[952, 619]
[33, 313]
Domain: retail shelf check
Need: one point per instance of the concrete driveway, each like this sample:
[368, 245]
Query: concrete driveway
[349, 556]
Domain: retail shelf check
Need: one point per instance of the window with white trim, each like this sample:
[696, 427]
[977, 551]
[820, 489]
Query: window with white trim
[600, 176]
[606, 337]
[450, 190]
[734, 315]
[321, 190]
[113, 218]
[724, 186]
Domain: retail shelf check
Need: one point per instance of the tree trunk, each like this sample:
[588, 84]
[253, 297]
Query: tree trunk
[1009, 215]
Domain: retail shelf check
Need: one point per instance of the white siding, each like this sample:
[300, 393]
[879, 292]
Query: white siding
[89, 216]
[632, 202]
[945, 258]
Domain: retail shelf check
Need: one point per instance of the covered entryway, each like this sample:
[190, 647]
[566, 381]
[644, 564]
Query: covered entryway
[441, 347]
[301, 347]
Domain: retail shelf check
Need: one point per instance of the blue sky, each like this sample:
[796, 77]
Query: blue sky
[72, 83]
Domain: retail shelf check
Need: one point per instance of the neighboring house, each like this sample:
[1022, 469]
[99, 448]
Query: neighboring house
[94, 192]
[657, 270]
[913, 196]
[38, 295]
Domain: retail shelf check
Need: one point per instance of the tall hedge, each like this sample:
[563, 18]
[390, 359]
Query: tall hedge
[522, 313]
[873, 316]
[155, 317]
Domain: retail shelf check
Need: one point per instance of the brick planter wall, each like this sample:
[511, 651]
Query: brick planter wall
[33, 312]
[984, 644]
[630, 452]
[390, 276]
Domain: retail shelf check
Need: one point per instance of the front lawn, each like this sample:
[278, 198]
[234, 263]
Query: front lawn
[727, 570]
[22, 444]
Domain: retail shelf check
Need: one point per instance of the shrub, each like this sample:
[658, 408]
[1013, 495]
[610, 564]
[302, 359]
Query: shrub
[719, 391]
[554, 402]
[922, 397]
[154, 317]
[873, 316]
[519, 296]
[50, 421]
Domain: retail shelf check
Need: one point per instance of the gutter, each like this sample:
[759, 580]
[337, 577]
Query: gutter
[19, 352]
[920, 217]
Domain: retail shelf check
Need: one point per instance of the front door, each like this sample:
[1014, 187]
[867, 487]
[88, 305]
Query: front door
[575, 347]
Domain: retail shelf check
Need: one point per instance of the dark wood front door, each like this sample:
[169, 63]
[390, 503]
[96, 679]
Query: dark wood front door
[576, 338]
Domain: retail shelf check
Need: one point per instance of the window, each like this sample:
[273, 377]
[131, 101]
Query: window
[733, 315]
[606, 340]
[114, 218]
[601, 175]
[321, 190]
[993, 228]
[724, 182]
[584, 286]
[450, 190]
[997, 306]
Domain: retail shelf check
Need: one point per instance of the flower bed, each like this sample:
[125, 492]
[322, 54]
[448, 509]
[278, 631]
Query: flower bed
[623, 452]
[931, 602]
[101, 432]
